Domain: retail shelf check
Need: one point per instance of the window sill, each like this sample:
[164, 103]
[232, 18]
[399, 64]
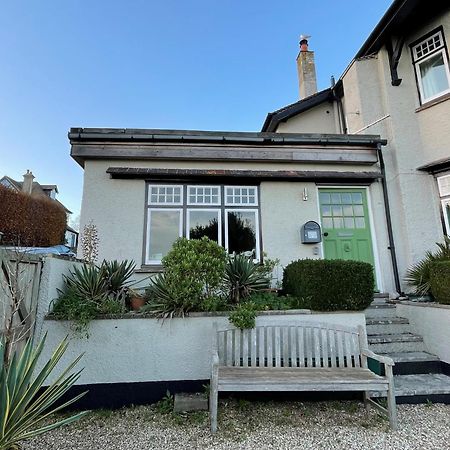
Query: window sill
[431, 103]
[157, 268]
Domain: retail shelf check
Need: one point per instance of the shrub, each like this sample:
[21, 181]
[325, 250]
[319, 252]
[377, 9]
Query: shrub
[440, 281]
[419, 274]
[330, 285]
[31, 220]
[193, 274]
[269, 301]
[90, 290]
[244, 316]
[243, 277]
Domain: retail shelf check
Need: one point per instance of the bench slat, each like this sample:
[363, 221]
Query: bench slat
[277, 347]
[253, 347]
[237, 347]
[269, 346]
[332, 341]
[229, 340]
[293, 342]
[262, 346]
[301, 346]
[324, 347]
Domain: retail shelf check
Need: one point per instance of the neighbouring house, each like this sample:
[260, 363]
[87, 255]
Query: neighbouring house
[29, 186]
[397, 86]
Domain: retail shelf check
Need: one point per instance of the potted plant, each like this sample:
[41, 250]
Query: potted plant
[137, 299]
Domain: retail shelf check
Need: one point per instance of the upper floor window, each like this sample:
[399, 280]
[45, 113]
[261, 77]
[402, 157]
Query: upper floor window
[444, 193]
[228, 215]
[431, 66]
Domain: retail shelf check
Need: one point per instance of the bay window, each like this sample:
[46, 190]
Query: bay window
[228, 215]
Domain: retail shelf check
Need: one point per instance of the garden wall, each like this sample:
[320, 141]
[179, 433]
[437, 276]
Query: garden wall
[432, 321]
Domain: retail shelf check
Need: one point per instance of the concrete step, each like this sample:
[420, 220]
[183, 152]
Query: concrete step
[395, 343]
[414, 363]
[380, 310]
[433, 387]
[387, 325]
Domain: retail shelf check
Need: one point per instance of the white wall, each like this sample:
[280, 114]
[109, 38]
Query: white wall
[433, 323]
[142, 349]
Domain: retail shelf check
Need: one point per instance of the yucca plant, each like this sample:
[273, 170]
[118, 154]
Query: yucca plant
[25, 409]
[419, 275]
[242, 277]
[117, 274]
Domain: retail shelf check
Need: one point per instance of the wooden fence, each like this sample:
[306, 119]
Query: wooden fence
[20, 276]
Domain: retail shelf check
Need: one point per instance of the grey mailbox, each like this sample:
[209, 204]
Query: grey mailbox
[311, 233]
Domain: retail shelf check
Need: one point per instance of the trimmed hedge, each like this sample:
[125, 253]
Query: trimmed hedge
[330, 284]
[440, 281]
[30, 220]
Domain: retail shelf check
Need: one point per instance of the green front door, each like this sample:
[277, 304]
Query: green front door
[345, 224]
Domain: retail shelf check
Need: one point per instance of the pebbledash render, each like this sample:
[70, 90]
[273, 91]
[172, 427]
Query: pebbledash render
[252, 192]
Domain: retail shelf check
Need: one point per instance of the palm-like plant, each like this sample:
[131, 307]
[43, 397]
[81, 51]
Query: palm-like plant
[242, 277]
[24, 407]
[419, 275]
[117, 274]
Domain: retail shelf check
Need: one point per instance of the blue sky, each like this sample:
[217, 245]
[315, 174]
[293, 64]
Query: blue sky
[194, 64]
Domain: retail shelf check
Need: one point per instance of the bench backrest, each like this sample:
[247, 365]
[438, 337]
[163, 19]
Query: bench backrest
[305, 345]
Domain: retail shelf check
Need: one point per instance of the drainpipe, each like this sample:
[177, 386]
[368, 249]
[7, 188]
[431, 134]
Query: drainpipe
[387, 210]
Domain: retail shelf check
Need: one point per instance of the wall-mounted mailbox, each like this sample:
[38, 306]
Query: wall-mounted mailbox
[311, 233]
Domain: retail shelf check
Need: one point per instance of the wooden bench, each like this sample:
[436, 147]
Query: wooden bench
[306, 357]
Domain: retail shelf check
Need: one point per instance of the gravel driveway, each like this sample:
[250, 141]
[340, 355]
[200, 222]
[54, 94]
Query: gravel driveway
[256, 425]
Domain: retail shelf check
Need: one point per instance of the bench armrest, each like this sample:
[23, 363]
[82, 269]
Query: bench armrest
[382, 359]
[215, 359]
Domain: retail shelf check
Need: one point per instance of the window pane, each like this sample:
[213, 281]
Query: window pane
[357, 198]
[359, 210]
[360, 222]
[336, 198]
[346, 199]
[433, 76]
[203, 223]
[327, 223]
[241, 195]
[203, 195]
[164, 230]
[338, 222]
[165, 195]
[349, 222]
[242, 232]
[326, 210]
[324, 198]
[348, 211]
[337, 210]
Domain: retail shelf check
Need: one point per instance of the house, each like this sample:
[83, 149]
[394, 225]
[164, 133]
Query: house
[29, 186]
[397, 86]
[252, 192]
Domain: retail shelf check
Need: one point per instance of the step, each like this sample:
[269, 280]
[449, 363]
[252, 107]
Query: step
[387, 325]
[382, 310]
[433, 387]
[412, 363]
[394, 343]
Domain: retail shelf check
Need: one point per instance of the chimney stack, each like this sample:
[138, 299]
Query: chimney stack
[27, 185]
[306, 69]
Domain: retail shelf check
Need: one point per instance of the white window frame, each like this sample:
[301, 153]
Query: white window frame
[149, 221]
[444, 203]
[189, 186]
[257, 237]
[245, 205]
[219, 218]
[419, 60]
[149, 199]
[439, 180]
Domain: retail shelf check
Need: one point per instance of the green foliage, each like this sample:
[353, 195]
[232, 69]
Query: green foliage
[192, 279]
[90, 290]
[24, 407]
[165, 405]
[243, 277]
[330, 285]
[419, 275]
[270, 301]
[440, 281]
[244, 316]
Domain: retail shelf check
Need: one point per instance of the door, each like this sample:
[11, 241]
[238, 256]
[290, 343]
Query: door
[345, 224]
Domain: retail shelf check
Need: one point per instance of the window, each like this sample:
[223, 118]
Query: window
[228, 215]
[431, 66]
[444, 193]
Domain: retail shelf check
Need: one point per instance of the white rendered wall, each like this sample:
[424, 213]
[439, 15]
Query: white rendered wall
[142, 349]
[433, 323]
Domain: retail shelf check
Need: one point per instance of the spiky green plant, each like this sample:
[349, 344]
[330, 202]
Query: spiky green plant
[117, 274]
[25, 409]
[242, 277]
[419, 275]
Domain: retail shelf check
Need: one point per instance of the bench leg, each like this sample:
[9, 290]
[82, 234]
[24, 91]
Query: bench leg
[391, 404]
[366, 398]
[213, 399]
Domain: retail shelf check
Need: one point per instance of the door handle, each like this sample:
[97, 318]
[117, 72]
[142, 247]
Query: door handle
[325, 234]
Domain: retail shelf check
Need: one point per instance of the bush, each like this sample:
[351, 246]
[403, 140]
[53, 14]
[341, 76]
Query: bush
[330, 285]
[440, 281]
[30, 220]
[193, 277]
[244, 316]
[419, 275]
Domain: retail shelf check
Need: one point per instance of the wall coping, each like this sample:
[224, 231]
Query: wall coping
[424, 304]
[289, 312]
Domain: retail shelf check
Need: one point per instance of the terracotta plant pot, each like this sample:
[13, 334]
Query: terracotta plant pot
[137, 303]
